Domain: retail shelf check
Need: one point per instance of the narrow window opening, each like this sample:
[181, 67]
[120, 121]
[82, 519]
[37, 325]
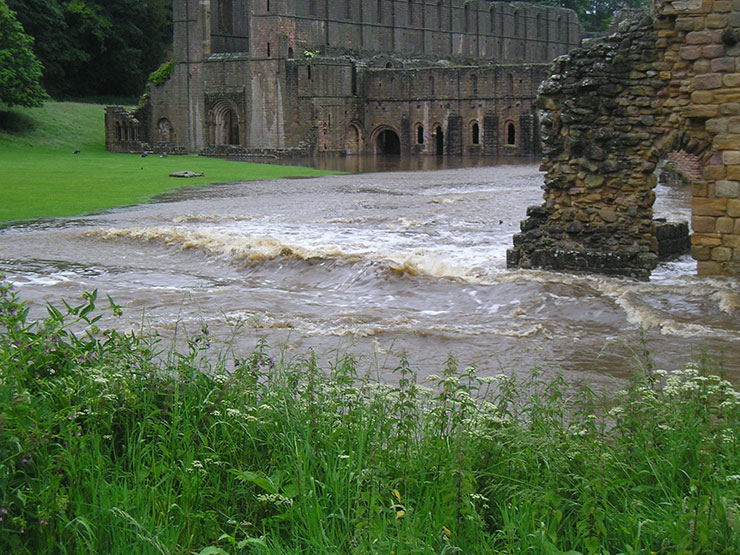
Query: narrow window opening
[411, 12]
[268, 5]
[379, 10]
[291, 54]
[268, 49]
[474, 80]
[431, 85]
[420, 135]
[440, 140]
[476, 134]
[510, 134]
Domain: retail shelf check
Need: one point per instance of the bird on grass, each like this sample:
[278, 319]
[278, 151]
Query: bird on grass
[77, 151]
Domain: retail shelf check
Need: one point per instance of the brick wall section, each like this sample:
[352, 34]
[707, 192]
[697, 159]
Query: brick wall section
[616, 107]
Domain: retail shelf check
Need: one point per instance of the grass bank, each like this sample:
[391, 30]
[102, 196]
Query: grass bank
[42, 178]
[108, 445]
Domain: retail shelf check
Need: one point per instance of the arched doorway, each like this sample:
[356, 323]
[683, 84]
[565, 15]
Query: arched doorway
[224, 125]
[353, 142]
[387, 142]
[439, 138]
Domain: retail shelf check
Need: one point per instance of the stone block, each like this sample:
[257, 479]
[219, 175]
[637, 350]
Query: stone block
[718, 125]
[703, 224]
[736, 230]
[709, 206]
[716, 21]
[731, 80]
[725, 225]
[733, 208]
[727, 189]
[731, 157]
[708, 268]
[727, 142]
[706, 240]
[733, 173]
[730, 240]
[729, 109]
[712, 51]
[690, 53]
[722, 7]
[721, 254]
[699, 188]
[702, 97]
[707, 81]
[700, 253]
[713, 173]
[727, 95]
[724, 64]
[701, 111]
[700, 37]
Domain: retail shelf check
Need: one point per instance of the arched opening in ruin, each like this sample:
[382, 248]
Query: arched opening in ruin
[224, 124]
[387, 142]
[511, 134]
[475, 133]
[291, 54]
[439, 141]
[164, 131]
[119, 132]
[419, 134]
[353, 139]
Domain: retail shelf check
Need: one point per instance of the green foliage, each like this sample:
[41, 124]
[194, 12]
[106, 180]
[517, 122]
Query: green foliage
[163, 73]
[20, 71]
[108, 443]
[97, 47]
[595, 15]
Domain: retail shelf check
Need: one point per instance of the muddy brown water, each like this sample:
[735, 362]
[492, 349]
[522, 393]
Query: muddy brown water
[378, 265]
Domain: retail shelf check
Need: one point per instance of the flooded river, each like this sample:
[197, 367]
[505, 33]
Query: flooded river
[376, 264]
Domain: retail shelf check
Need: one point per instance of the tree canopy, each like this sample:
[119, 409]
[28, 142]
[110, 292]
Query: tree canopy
[20, 70]
[595, 15]
[97, 47]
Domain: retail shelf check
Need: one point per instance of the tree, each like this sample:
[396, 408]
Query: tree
[20, 70]
[595, 15]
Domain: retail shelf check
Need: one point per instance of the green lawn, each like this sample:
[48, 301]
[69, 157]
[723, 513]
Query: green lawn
[41, 177]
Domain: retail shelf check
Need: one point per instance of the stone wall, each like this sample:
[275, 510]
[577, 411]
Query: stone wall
[612, 110]
[309, 76]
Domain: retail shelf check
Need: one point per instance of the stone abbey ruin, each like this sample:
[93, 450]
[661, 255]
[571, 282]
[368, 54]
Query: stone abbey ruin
[456, 77]
[663, 84]
[350, 76]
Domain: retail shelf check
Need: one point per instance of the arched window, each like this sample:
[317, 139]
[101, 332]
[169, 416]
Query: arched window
[491, 21]
[476, 133]
[466, 15]
[347, 9]
[431, 85]
[268, 49]
[308, 72]
[510, 134]
[291, 54]
[411, 12]
[379, 11]
[439, 15]
[420, 135]
[474, 83]
[510, 82]
[267, 6]
[516, 23]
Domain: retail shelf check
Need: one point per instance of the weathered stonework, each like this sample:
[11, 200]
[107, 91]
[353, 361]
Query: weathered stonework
[349, 76]
[662, 82]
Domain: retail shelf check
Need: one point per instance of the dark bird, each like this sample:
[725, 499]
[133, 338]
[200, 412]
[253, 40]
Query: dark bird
[144, 155]
[77, 151]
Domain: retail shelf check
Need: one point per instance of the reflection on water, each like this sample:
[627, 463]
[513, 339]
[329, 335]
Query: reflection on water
[370, 163]
[378, 264]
